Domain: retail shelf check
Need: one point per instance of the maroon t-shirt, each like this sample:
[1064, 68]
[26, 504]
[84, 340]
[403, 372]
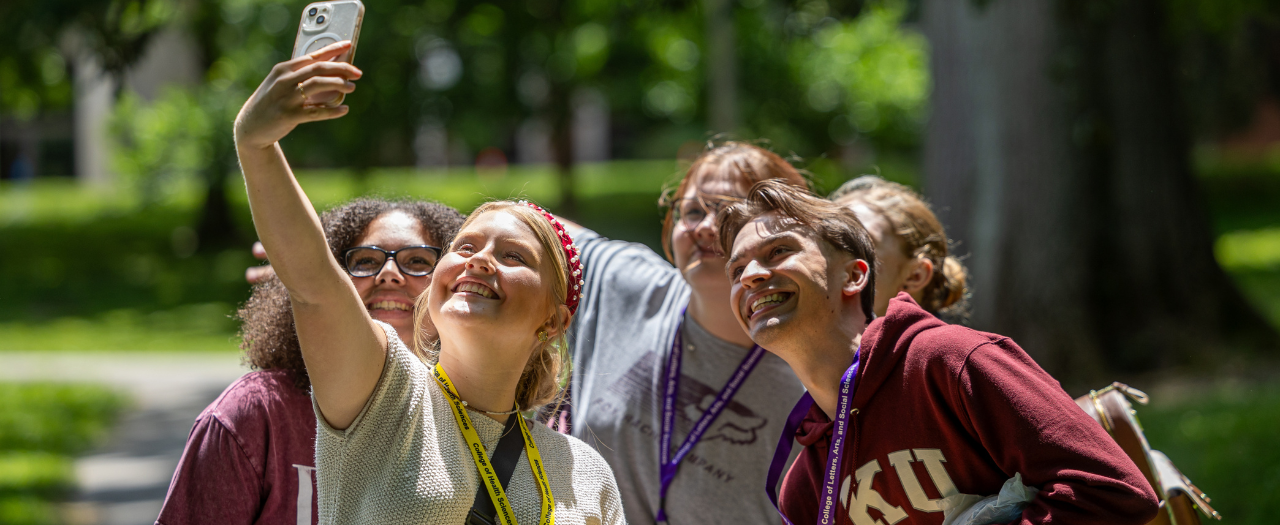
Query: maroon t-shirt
[942, 409]
[250, 457]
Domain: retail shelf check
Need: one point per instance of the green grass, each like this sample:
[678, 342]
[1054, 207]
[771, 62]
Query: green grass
[42, 427]
[1244, 204]
[205, 327]
[1250, 249]
[1253, 259]
[1225, 443]
[1225, 440]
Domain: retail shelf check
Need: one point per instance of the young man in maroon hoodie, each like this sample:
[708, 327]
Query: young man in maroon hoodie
[922, 410]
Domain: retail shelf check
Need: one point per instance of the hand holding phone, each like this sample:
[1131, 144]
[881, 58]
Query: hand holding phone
[324, 23]
[298, 90]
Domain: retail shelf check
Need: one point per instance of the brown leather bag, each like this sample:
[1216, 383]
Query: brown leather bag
[1178, 497]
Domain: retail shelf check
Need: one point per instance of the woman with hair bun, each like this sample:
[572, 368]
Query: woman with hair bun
[911, 247]
[407, 439]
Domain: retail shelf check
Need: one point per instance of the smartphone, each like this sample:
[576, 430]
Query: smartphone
[324, 23]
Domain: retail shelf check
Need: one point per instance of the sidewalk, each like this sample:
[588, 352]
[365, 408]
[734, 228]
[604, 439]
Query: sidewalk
[124, 482]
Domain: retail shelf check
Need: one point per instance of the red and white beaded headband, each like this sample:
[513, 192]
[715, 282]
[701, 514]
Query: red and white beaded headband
[577, 286]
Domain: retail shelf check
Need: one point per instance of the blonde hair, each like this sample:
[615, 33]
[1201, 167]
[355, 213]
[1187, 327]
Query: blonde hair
[922, 235]
[547, 369]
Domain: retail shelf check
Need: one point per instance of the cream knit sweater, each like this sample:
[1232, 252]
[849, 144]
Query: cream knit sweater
[403, 460]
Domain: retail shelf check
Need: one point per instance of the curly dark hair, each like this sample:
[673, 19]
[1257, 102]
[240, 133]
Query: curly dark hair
[267, 333]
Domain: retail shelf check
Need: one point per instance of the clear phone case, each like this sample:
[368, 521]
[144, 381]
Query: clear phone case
[324, 23]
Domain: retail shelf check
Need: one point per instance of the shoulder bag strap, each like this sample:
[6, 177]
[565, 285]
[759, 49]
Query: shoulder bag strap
[504, 462]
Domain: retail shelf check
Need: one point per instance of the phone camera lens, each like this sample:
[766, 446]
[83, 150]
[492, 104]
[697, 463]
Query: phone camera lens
[320, 19]
[312, 12]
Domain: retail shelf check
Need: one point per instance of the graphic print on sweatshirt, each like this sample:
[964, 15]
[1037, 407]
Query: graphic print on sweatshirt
[920, 473]
[737, 424]
[633, 401]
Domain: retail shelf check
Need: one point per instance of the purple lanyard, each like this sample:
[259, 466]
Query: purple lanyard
[669, 465]
[835, 455]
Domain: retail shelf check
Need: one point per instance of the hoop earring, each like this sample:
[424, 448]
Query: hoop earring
[542, 336]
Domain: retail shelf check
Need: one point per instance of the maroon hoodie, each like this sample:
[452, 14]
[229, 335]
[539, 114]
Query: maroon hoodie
[943, 409]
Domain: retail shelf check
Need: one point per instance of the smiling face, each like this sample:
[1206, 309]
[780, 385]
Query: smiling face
[389, 294]
[494, 278]
[897, 271]
[694, 244]
[893, 270]
[786, 280]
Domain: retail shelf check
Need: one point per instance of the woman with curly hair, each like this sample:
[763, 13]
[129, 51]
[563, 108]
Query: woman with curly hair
[251, 454]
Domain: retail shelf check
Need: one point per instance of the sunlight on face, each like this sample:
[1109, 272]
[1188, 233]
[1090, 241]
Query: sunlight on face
[891, 264]
[492, 278]
[694, 245]
[784, 280]
[389, 295]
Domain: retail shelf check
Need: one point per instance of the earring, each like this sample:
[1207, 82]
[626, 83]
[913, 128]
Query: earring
[542, 336]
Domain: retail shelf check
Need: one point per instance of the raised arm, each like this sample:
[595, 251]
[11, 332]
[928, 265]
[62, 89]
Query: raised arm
[343, 350]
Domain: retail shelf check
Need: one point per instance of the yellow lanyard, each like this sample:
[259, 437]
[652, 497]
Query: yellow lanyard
[488, 477]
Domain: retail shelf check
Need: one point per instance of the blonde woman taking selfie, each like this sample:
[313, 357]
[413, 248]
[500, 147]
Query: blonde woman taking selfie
[403, 439]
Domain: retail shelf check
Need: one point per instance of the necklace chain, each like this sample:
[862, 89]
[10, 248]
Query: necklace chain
[507, 413]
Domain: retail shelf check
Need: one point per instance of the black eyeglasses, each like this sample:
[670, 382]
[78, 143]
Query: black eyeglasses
[367, 261]
[693, 210]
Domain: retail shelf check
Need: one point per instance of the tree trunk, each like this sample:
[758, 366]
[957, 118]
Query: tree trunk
[722, 67]
[562, 145]
[215, 229]
[1057, 163]
[999, 167]
[1159, 241]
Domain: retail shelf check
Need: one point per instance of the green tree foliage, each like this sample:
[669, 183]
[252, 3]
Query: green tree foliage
[816, 77]
[481, 69]
[1226, 58]
[161, 147]
[55, 418]
[41, 38]
[869, 72]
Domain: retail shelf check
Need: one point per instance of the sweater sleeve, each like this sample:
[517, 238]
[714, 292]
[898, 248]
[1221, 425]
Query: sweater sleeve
[215, 482]
[1028, 424]
[611, 501]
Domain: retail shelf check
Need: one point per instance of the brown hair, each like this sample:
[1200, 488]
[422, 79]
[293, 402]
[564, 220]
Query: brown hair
[267, 335]
[741, 162]
[922, 236]
[546, 369]
[835, 224]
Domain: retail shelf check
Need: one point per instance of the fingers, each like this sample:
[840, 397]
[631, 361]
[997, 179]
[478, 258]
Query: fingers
[257, 274]
[323, 69]
[305, 89]
[318, 84]
[315, 113]
[324, 91]
[324, 54]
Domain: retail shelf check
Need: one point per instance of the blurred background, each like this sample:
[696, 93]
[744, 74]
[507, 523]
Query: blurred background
[1109, 169]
